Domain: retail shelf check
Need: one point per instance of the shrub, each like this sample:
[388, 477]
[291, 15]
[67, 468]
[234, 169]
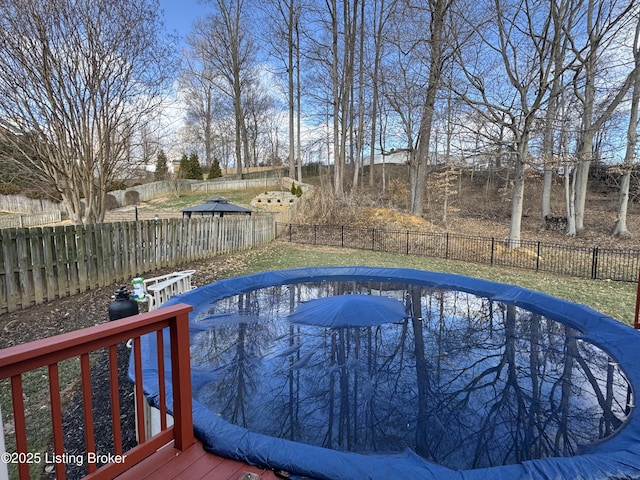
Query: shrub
[9, 189]
[110, 202]
[116, 185]
[131, 197]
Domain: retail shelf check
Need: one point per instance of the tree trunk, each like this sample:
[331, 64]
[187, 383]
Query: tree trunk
[620, 228]
[421, 161]
[290, 87]
[562, 18]
[517, 200]
[598, 32]
[359, 158]
[378, 27]
[299, 104]
[338, 158]
[570, 198]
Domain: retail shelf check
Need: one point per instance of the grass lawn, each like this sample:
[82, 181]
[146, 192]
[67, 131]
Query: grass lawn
[172, 203]
[615, 299]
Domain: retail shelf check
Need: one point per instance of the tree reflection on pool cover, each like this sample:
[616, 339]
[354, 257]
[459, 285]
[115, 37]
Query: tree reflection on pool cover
[463, 381]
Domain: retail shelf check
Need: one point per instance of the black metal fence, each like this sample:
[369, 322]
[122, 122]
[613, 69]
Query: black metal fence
[589, 262]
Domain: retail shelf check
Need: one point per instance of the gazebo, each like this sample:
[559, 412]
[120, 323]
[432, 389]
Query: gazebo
[215, 207]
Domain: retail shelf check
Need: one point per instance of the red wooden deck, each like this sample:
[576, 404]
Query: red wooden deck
[192, 464]
[173, 453]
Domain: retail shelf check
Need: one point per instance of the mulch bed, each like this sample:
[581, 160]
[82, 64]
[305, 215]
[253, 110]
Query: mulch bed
[73, 417]
[80, 311]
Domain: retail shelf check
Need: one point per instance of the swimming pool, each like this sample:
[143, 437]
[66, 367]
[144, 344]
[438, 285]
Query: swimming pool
[468, 379]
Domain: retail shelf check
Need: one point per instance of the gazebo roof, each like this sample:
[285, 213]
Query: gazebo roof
[216, 205]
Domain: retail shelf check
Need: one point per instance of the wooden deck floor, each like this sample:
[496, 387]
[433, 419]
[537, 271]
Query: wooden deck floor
[193, 464]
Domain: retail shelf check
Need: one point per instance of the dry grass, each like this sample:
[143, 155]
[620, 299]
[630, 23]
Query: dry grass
[481, 207]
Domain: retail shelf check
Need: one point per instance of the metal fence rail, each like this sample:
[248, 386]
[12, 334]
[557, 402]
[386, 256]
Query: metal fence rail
[587, 262]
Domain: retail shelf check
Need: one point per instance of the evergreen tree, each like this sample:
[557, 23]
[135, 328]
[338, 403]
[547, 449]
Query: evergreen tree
[190, 167]
[162, 169]
[215, 171]
[183, 172]
[195, 169]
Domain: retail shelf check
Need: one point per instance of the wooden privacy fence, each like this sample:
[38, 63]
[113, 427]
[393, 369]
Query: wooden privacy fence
[40, 264]
[22, 204]
[31, 220]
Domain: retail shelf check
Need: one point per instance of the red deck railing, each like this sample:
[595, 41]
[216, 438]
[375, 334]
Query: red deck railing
[49, 352]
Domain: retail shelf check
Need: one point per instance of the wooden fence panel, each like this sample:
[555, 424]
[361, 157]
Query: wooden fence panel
[49, 264]
[3, 272]
[23, 256]
[105, 255]
[9, 257]
[37, 264]
[41, 264]
[81, 258]
[90, 249]
[73, 262]
[21, 204]
[60, 265]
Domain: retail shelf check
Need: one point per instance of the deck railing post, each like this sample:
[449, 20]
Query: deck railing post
[4, 470]
[181, 381]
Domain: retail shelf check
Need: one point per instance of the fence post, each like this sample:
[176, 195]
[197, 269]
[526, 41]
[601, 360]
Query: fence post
[342, 236]
[315, 234]
[636, 322]
[446, 248]
[407, 242]
[538, 258]
[289, 233]
[493, 244]
[594, 264]
[373, 239]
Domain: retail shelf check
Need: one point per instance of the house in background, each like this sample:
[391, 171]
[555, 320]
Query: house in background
[215, 207]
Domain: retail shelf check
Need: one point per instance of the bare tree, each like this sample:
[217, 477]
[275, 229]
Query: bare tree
[333, 50]
[284, 38]
[604, 20]
[198, 87]
[225, 43]
[80, 77]
[620, 228]
[381, 14]
[438, 12]
[563, 14]
[258, 109]
[520, 48]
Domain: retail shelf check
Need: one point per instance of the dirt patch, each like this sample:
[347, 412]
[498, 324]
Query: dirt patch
[394, 220]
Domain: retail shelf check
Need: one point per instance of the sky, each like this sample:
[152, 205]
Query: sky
[179, 15]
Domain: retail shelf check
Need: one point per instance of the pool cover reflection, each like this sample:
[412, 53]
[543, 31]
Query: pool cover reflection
[464, 381]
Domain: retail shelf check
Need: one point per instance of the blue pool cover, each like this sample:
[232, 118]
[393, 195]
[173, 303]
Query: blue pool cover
[618, 457]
